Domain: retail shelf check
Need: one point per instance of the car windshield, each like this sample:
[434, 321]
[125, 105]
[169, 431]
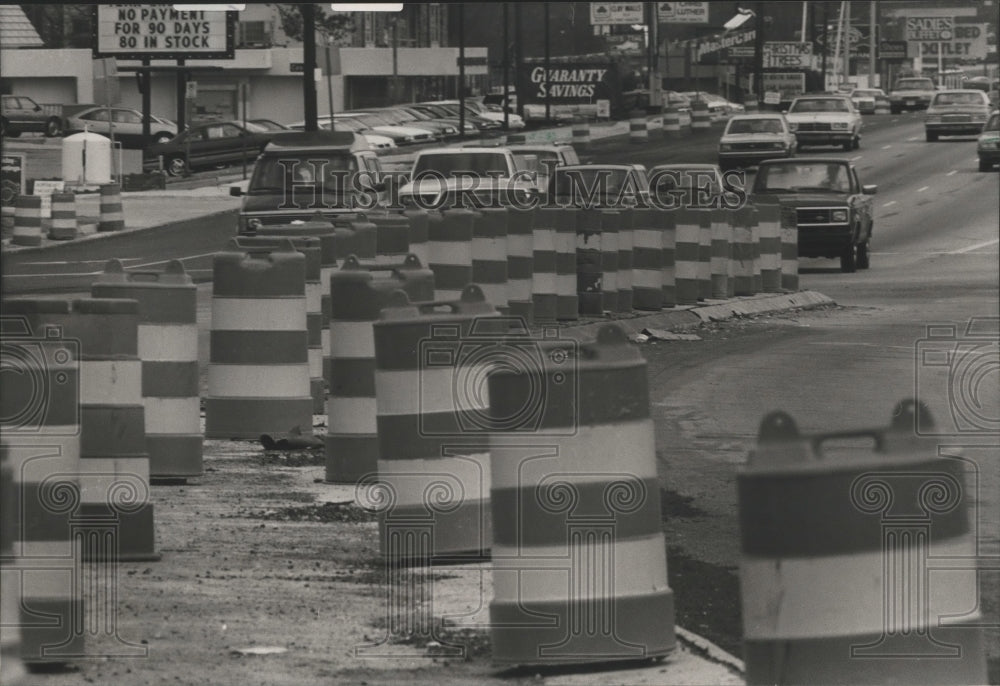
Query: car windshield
[819, 105]
[451, 164]
[959, 99]
[256, 128]
[914, 85]
[275, 173]
[993, 124]
[755, 126]
[807, 176]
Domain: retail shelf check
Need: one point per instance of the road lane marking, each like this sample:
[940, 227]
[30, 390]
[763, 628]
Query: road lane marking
[922, 189]
[913, 138]
[952, 172]
[856, 158]
[970, 248]
[891, 202]
[886, 147]
[862, 344]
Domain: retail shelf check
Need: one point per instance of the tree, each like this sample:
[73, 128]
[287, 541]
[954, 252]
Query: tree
[339, 26]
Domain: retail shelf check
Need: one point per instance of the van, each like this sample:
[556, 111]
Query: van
[300, 173]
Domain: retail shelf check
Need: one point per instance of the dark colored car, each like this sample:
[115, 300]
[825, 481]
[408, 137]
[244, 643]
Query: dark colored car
[988, 145]
[216, 144]
[834, 213]
[20, 114]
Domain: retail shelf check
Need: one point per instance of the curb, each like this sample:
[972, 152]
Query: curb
[709, 650]
[713, 311]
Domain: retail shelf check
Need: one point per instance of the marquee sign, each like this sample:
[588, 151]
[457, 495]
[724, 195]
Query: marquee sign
[162, 32]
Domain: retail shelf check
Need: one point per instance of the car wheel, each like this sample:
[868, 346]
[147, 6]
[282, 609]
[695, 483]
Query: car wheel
[53, 127]
[857, 142]
[848, 260]
[985, 166]
[162, 137]
[176, 166]
[863, 257]
[931, 137]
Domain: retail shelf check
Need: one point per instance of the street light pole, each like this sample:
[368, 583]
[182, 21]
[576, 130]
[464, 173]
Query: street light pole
[758, 51]
[309, 65]
[461, 69]
[506, 70]
[548, 100]
[872, 26]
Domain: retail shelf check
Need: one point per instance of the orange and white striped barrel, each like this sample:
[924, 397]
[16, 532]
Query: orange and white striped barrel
[722, 234]
[647, 260]
[419, 225]
[489, 254]
[668, 274]
[433, 455]
[758, 286]
[112, 216]
[858, 557]
[882, 105]
[626, 237]
[168, 348]
[27, 220]
[450, 246]
[608, 238]
[358, 293]
[521, 262]
[638, 132]
[310, 247]
[544, 278]
[589, 262]
[701, 118]
[63, 227]
[114, 462]
[743, 249]
[686, 255]
[357, 236]
[581, 133]
[671, 122]
[579, 562]
[392, 237]
[789, 250]
[769, 240]
[40, 407]
[258, 370]
[325, 231]
[704, 253]
[567, 300]
[11, 667]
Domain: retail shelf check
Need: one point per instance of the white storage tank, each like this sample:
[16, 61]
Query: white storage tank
[86, 159]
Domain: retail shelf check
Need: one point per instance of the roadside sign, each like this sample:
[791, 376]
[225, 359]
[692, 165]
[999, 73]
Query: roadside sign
[107, 89]
[740, 51]
[968, 42]
[44, 189]
[787, 55]
[772, 98]
[12, 176]
[892, 50]
[162, 32]
[788, 85]
[603, 109]
[934, 29]
[607, 13]
[682, 12]
[190, 90]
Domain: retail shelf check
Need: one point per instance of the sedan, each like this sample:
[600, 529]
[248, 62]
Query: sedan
[19, 113]
[126, 124]
[833, 210]
[753, 138]
[397, 116]
[988, 146]
[956, 113]
[216, 144]
[864, 99]
[269, 124]
[825, 120]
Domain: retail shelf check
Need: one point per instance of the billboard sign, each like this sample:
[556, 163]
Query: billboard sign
[682, 12]
[569, 84]
[934, 29]
[892, 50]
[790, 85]
[969, 43]
[787, 55]
[162, 32]
[607, 13]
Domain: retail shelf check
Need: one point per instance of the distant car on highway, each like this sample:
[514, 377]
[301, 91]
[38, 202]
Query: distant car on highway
[127, 125]
[988, 146]
[20, 114]
[825, 120]
[956, 113]
[216, 144]
[718, 106]
[834, 212]
[445, 177]
[864, 99]
[752, 138]
[911, 93]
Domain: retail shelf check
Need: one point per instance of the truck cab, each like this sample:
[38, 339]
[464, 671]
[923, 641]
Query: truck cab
[300, 173]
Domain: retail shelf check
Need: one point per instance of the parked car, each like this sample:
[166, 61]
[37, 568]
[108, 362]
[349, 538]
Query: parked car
[825, 120]
[600, 185]
[401, 135]
[421, 115]
[471, 174]
[546, 156]
[988, 146]
[126, 122]
[451, 110]
[20, 114]
[400, 117]
[718, 106]
[269, 124]
[956, 113]
[300, 173]
[677, 100]
[494, 112]
[911, 93]
[751, 138]
[376, 141]
[864, 99]
[216, 144]
[834, 212]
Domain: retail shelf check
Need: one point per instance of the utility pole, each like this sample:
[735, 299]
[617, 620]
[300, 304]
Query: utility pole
[518, 58]
[847, 39]
[506, 70]
[872, 27]
[758, 52]
[826, 38]
[548, 99]
[309, 65]
[461, 70]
